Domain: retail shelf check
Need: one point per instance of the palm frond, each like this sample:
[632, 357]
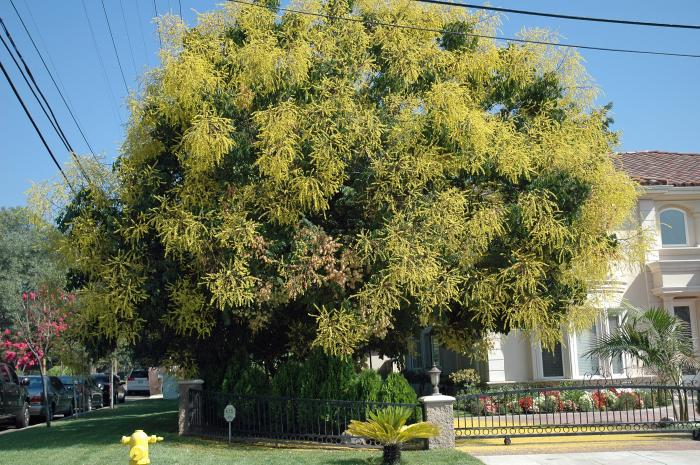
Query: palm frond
[388, 426]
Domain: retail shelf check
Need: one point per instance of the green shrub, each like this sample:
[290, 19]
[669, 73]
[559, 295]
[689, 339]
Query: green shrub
[465, 377]
[628, 401]
[287, 380]
[572, 395]
[397, 390]
[367, 386]
[656, 398]
[325, 377]
[253, 381]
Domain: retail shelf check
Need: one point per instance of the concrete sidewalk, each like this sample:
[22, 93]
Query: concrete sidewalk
[683, 457]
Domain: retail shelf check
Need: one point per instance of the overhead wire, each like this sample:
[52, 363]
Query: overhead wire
[39, 100]
[28, 76]
[102, 64]
[143, 38]
[114, 46]
[560, 16]
[155, 10]
[34, 88]
[128, 37]
[48, 71]
[36, 128]
[471, 34]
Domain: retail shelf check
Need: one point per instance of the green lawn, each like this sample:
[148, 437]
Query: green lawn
[94, 440]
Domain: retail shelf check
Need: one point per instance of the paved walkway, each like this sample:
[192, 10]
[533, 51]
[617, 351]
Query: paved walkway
[684, 457]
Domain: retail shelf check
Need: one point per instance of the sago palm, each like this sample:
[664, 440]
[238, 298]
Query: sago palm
[388, 427]
[661, 341]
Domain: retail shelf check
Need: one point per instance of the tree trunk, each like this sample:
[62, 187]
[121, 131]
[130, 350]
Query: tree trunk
[392, 454]
[45, 391]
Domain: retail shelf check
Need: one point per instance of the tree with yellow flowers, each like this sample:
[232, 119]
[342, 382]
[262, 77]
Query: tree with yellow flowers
[340, 180]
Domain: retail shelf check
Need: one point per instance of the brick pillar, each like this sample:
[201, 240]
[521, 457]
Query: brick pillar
[186, 408]
[437, 409]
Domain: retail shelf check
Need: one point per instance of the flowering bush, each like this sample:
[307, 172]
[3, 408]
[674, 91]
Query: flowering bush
[484, 405]
[628, 401]
[569, 406]
[604, 399]
[585, 402]
[527, 404]
[15, 351]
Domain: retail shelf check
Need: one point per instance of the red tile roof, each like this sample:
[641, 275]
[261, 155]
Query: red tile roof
[653, 168]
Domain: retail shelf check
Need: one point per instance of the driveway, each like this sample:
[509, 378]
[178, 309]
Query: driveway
[683, 457]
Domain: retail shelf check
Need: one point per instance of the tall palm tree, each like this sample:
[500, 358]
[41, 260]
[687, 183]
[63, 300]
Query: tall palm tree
[661, 341]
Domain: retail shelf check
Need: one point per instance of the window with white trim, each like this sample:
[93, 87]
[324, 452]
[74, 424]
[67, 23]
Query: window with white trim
[588, 365]
[673, 227]
[553, 362]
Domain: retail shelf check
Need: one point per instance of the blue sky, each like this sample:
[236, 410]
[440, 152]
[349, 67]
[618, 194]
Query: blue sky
[656, 99]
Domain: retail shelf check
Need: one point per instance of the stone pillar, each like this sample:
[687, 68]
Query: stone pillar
[186, 408]
[437, 409]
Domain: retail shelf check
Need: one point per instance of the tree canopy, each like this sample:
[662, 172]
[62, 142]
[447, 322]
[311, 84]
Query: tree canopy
[25, 260]
[333, 180]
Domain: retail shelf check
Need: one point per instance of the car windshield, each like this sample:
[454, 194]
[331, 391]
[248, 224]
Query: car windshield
[101, 378]
[139, 374]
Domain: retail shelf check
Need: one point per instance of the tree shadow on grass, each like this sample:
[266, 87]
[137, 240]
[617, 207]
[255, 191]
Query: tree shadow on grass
[98, 428]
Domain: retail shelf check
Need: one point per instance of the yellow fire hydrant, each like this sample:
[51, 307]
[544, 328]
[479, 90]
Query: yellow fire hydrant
[139, 441]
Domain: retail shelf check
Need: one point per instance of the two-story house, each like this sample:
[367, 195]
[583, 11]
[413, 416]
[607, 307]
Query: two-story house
[669, 209]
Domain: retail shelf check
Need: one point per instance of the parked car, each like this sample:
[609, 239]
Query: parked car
[102, 382]
[137, 383]
[60, 400]
[14, 400]
[87, 396]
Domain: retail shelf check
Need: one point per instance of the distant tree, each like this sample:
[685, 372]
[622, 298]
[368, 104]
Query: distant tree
[25, 259]
[295, 181]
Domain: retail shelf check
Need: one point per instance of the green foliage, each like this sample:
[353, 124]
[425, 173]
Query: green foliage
[388, 427]
[287, 380]
[465, 377]
[340, 184]
[249, 381]
[396, 389]
[661, 341]
[368, 386]
[326, 377]
[26, 260]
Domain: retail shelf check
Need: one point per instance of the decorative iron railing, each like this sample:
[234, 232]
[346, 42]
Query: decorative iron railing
[574, 410]
[283, 418]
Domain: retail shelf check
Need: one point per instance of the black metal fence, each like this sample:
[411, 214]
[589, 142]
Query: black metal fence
[575, 410]
[284, 418]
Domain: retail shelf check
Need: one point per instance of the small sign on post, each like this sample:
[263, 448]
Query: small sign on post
[229, 416]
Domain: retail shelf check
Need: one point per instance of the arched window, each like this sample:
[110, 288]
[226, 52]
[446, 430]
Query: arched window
[673, 227]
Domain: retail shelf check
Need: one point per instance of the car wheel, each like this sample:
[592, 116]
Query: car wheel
[696, 434]
[22, 420]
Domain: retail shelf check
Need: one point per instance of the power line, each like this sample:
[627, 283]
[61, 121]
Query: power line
[128, 37]
[143, 39]
[155, 10]
[560, 16]
[36, 128]
[63, 98]
[41, 101]
[470, 34]
[45, 106]
[114, 45]
[102, 63]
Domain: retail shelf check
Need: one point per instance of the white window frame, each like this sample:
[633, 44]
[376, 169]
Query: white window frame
[573, 353]
[685, 224]
[538, 367]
